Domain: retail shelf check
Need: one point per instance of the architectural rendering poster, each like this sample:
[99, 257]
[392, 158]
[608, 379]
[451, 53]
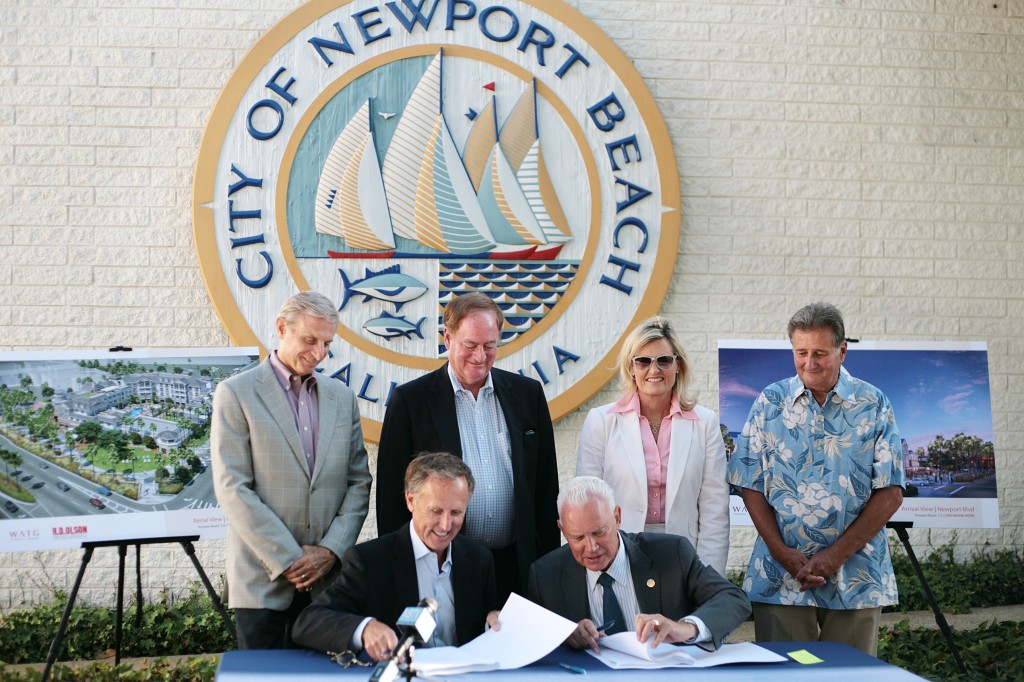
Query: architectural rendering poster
[940, 394]
[99, 445]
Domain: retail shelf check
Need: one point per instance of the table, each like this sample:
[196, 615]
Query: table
[841, 663]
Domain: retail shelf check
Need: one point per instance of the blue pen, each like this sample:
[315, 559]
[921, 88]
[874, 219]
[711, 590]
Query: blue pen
[573, 668]
[609, 624]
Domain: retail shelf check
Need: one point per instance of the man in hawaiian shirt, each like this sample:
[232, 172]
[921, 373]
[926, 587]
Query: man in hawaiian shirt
[819, 461]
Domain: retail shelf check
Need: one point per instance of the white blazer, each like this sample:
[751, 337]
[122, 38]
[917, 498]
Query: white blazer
[696, 494]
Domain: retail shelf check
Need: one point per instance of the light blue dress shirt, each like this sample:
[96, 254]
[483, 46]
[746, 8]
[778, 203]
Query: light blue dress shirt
[486, 449]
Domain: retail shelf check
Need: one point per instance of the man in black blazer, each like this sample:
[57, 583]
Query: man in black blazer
[498, 422]
[424, 558]
[661, 588]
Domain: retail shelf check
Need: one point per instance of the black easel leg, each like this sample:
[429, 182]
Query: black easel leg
[214, 597]
[138, 586]
[940, 619]
[122, 551]
[55, 645]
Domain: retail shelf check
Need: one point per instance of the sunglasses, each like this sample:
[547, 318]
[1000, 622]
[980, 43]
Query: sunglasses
[644, 361]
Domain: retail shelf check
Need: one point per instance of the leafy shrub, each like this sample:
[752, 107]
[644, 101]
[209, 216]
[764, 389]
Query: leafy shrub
[989, 652]
[188, 626]
[159, 670]
[988, 579]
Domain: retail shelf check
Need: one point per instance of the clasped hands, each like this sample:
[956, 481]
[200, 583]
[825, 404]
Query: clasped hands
[664, 629]
[812, 571]
[314, 564]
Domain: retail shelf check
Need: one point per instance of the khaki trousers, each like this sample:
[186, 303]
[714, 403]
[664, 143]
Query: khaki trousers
[856, 627]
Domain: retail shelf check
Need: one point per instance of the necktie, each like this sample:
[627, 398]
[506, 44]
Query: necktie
[612, 610]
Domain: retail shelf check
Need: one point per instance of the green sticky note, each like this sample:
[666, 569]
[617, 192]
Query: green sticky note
[804, 656]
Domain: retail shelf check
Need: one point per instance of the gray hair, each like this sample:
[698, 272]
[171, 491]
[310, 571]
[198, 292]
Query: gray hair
[818, 316]
[579, 491]
[439, 464]
[308, 303]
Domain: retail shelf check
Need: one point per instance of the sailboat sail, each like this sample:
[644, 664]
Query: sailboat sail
[520, 141]
[350, 200]
[542, 198]
[481, 139]
[444, 220]
[409, 147]
[507, 209]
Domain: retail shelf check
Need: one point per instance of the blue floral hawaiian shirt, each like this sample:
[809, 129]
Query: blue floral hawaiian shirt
[816, 466]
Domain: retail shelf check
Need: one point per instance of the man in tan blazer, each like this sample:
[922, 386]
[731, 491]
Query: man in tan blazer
[291, 473]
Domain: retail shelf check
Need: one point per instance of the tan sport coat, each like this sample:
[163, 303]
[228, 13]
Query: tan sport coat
[272, 503]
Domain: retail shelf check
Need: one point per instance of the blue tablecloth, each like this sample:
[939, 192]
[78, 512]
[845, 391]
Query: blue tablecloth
[840, 663]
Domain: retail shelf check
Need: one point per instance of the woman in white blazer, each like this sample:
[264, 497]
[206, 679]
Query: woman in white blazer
[661, 453]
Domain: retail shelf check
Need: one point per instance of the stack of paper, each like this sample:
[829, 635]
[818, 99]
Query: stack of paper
[622, 650]
[528, 632]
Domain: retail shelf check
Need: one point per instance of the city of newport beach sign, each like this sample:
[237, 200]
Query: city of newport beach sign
[394, 155]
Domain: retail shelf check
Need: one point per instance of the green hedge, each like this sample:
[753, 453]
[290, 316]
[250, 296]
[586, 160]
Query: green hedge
[991, 652]
[169, 628]
[159, 670]
[988, 579]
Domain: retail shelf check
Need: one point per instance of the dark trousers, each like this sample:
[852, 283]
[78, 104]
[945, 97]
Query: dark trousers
[267, 628]
[506, 573]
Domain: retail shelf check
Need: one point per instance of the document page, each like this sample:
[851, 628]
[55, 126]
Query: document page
[528, 633]
[622, 651]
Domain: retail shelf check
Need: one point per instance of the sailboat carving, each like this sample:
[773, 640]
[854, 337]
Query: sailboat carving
[492, 200]
[350, 199]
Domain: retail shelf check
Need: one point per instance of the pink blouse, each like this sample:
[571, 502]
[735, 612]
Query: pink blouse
[656, 452]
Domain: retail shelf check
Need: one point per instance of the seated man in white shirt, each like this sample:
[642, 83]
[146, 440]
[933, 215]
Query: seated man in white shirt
[425, 558]
[658, 585]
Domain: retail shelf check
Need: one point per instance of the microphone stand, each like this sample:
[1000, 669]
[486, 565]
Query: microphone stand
[417, 625]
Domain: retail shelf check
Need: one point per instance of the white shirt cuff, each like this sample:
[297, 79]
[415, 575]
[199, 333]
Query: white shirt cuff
[357, 637]
[703, 635]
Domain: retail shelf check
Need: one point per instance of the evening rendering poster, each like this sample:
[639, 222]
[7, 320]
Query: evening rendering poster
[940, 395]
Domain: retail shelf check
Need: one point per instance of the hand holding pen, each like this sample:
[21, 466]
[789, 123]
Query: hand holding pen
[586, 635]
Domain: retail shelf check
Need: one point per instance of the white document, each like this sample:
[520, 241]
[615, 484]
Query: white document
[623, 651]
[528, 632]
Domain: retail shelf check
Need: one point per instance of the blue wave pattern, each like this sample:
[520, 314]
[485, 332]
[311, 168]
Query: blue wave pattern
[817, 466]
[525, 291]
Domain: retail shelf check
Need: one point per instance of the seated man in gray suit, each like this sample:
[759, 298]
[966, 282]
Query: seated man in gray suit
[426, 557]
[658, 585]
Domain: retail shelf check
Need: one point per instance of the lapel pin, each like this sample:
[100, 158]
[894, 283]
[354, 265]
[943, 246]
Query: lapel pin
[650, 582]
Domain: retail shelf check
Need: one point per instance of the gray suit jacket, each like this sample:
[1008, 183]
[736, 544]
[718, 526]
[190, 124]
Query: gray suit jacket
[667, 576]
[272, 503]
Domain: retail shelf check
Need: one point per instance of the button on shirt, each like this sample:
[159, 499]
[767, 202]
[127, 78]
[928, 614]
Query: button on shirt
[486, 450]
[304, 403]
[817, 466]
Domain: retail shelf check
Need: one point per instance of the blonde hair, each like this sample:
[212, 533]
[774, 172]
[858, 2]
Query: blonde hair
[650, 330]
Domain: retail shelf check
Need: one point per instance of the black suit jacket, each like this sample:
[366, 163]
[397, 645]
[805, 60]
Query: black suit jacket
[421, 418]
[378, 579]
[667, 576]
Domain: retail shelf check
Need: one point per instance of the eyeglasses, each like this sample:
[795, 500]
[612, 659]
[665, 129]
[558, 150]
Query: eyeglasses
[664, 361]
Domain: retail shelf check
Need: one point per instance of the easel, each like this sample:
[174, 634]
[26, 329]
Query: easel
[122, 550]
[940, 619]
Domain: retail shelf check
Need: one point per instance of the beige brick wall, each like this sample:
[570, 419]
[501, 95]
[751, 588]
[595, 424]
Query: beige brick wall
[869, 152]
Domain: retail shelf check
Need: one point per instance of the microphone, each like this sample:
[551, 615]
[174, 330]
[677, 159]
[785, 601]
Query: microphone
[416, 624]
[418, 621]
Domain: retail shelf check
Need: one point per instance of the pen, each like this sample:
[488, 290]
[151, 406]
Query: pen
[573, 668]
[609, 624]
